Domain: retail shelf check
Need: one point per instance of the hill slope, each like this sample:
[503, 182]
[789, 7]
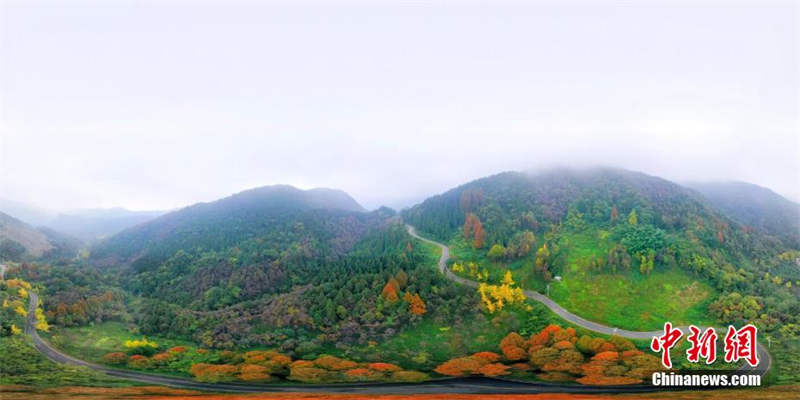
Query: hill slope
[755, 206]
[633, 250]
[281, 213]
[18, 238]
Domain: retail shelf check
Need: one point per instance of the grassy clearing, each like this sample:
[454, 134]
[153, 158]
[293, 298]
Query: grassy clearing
[634, 301]
[428, 344]
[21, 364]
[91, 343]
[627, 299]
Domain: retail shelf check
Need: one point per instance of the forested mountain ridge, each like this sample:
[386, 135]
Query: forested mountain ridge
[281, 210]
[517, 200]
[754, 206]
[18, 238]
[602, 220]
[20, 241]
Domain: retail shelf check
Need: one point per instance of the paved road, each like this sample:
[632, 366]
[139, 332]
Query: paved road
[765, 360]
[473, 385]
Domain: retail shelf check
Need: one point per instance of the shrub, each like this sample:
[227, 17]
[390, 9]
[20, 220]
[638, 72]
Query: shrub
[254, 373]
[116, 358]
[459, 367]
[334, 363]
[362, 374]
[541, 338]
[138, 361]
[384, 367]
[255, 357]
[488, 356]
[177, 349]
[606, 356]
[213, 372]
[495, 369]
[310, 374]
[563, 345]
[141, 347]
[302, 364]
[161, 358]
[409, 376]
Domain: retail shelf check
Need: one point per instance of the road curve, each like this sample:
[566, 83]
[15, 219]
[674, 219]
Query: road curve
[765, 360]
[470, 385]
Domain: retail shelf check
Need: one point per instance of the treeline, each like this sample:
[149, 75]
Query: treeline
[651, 223]
[314, 302]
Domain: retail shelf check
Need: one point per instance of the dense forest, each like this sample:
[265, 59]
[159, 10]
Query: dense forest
[638, 223]
[310, 273]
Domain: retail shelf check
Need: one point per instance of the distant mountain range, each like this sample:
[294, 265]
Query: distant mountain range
[88, 225]
[754, 206]
[124, 234]
[19, 240]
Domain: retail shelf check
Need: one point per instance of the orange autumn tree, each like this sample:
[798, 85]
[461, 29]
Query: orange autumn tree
[214, 372]
[557, 354]
[477, 364]
[513, 347]
[415, 304]
[116, 358]
[254, 373]
[473, 229]
[333, 363]
[480, 235]
[389, 292]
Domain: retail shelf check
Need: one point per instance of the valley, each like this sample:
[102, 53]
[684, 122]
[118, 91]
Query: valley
[508, 278]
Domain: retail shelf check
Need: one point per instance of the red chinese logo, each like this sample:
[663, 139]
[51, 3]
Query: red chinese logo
[704, 345]
[741, 344]
[665, 342]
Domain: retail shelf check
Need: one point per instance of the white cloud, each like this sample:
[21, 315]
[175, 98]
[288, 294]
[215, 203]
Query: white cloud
[146, 105]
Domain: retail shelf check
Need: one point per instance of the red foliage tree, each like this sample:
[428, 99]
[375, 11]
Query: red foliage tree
[459, 366]
[480, 235]
[415, 304]
[214, 372]
[495, 369]
[254, 373]
[487, 356]
[389, 292]
[116, 358]
[334, 363]
[383, 367]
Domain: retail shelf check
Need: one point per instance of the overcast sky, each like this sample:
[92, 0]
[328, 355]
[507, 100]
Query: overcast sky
[155, 105]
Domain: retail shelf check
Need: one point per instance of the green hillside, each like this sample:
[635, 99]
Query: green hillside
[616, 246]
[756, 207]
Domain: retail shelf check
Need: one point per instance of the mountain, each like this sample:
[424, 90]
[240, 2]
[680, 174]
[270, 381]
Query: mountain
[754, 206]
[643, 214]
[88, 225]
[628, 249]
[29, 214]
[95, 224]
[512, 201]
[328, 219]
[18, 239]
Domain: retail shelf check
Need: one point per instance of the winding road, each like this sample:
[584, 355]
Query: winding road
[473, 385]
[765, 360]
